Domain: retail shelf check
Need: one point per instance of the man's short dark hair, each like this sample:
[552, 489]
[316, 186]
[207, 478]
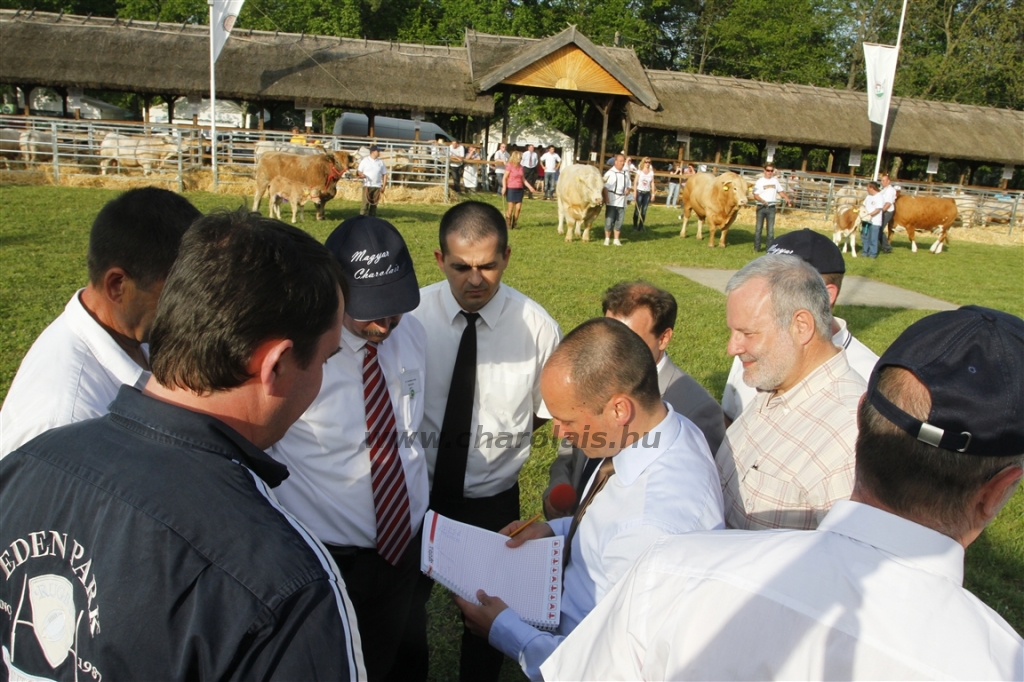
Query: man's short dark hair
[625, 297]
[473, 221]
[241, 279]
[910, 477]
[139, 232]
[605, 357]
[874, 185]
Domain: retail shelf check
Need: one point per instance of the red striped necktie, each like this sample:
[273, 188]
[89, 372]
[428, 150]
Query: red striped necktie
[390, 496]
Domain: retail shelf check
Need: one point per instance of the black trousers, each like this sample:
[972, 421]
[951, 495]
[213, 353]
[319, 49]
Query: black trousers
[478, 660]
[530, 174]
[382, 596]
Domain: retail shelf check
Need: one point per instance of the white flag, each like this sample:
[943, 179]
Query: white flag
[225, 12]
[880, 65]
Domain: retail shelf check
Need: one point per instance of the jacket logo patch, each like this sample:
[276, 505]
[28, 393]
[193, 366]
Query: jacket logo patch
[53, 615]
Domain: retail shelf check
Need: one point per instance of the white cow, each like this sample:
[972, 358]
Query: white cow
[847, 224]
[264, 146]
[579, 199]
[132, 152]
[36, 146]
[9, 147]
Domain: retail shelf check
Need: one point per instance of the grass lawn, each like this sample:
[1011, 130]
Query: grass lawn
[44, 234]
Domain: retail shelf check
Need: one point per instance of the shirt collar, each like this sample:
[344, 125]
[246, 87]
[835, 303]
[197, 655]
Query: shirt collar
[490, 313]
[632, 461]
[351, 341]
[194, 430]
[842, 337]
[908, 542]
[813, 384]
[661, 363]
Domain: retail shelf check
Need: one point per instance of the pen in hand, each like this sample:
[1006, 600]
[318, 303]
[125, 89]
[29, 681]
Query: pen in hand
[520, 528]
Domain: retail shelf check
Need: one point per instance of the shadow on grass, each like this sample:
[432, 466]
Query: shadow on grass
[994, 574]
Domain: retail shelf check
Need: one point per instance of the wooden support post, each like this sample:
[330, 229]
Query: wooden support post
[831, 160]
[679, 157]
[605, 109]
[169, 99]
[371, 115]
[804, 151]
[578, 110]
[718, 150]
[504, 116]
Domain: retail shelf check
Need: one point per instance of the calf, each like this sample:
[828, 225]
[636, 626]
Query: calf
[320, 170]
[847, 223]
[282, 189]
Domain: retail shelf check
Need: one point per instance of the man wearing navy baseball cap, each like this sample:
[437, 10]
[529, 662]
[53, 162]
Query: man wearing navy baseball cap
[875, 592]
[358, 476]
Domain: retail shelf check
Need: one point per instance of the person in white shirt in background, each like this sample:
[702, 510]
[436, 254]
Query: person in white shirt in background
[375, 180]
[876, 591]
[74, 369]
[767, 190]
[824, 256]
[656, 478]
[456, 157]
[530, 161]
[675, 175]
[500, 158]
[552, 162]
[474, 469]
[888, 194]
[616, 188]
[643, 191]
[335, 465]
[871, 220]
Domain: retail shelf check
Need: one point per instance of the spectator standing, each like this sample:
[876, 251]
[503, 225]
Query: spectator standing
[375, 180]
[643, 189]
[675, 177]
[514, 180]
[486, 346]
[530, 162]
[876, 592]
[871, 220]
[358, 476]
[888, 194]
[616, 188]
[551, 162]
[471, 176]
[767, 190]
[789, 456]
[456, 157]
[167, 554]
[499, 159]
[77, 365]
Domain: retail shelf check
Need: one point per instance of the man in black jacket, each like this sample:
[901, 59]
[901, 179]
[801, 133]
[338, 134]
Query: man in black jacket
[146, 544]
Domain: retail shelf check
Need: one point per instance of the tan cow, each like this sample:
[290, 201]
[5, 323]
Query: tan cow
[320, 171]
[282, 189]
[716, 200]
[579, 199]
[923, 213]
[847, 224]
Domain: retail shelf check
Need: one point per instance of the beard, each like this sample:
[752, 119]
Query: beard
[771, 366]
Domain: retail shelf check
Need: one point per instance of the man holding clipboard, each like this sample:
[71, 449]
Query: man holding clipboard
[656, 477]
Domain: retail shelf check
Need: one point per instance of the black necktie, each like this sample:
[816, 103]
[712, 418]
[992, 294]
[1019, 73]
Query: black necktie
[453, 444]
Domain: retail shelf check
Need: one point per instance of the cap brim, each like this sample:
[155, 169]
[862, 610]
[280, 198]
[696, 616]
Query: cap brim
[372, 302]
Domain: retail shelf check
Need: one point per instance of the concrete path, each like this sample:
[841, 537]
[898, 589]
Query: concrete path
[856, 290]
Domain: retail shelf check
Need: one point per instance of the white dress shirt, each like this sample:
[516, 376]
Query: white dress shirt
[789, 457]
[373, 171]
[738, 395]
[617, 184]
[867, 596]
[529, 159]
[329, 487]
[514, 338]
[665, 485]
[71, 373]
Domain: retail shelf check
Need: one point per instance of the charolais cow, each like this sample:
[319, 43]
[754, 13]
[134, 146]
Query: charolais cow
[9, 149]
[282, 189]
[579, 199]
[923, 213]
[320, 171]
[36, 146]
[264, 146]
[847, 224]
[716, 200]
[128, 151]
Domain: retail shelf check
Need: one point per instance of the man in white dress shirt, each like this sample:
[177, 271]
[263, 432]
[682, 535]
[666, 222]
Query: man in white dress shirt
[789, 456]
[76, 366]
[375, 180]
[616, 188]
[888, 198]
[825, 257]
[529, 163]
[601, 386]
[876, 591]
[514, 338]
[329, 451]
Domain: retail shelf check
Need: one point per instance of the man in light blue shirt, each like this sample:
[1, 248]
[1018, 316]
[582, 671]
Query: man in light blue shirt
[657, 477]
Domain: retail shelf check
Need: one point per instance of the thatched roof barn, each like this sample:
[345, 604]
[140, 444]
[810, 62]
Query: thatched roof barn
[149, 57]
[823, 117]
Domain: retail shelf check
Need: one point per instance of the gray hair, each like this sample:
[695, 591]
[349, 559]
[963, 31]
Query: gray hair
[793, 285]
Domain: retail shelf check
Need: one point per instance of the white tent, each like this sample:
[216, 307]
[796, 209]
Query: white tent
[229, 114]
[45, 99]
[537, 133]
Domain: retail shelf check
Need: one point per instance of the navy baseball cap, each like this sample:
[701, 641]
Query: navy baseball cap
[971, 361]
[377, 267]
[817, 249]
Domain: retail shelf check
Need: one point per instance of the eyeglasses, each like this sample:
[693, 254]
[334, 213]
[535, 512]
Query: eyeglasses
[769, 170]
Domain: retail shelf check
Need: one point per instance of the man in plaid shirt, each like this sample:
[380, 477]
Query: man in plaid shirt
[789, 456]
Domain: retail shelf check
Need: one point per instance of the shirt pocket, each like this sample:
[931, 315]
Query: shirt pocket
[506, 397]
[775, 500]
[410, 398]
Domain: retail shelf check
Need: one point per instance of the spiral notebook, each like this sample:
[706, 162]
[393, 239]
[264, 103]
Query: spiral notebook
[465, 559]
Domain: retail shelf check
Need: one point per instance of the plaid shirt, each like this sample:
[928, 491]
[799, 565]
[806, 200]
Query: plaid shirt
[789, 457]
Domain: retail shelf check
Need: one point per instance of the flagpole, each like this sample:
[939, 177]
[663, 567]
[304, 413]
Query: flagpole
[213, 100]
[888, 95]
